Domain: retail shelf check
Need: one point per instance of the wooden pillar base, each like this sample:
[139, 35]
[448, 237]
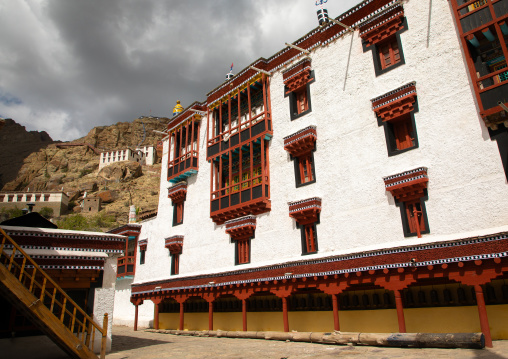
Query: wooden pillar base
[482, 312]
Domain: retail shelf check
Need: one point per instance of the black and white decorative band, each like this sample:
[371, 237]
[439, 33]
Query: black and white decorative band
[296, 73]
[380, 23]
[419, 169]
[422, 247]
[67, 267]
[311, 127]
[304, 201]
[64, 235]
[392, 93]
[68, 249]
[411, 179]
[341, 271]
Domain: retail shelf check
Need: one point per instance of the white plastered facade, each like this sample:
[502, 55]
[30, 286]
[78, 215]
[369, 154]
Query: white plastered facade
[467, 189]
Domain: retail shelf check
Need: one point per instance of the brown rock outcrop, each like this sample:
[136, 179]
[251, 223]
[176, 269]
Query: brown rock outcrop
[16, 144]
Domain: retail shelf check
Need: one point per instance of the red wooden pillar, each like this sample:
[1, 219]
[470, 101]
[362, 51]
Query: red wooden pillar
[400, 310]
[210, 315]
[156, 316]
[136, 318]
[335, 303]
[285, 313]
[244, 314]
[181, 316]
[482, 312]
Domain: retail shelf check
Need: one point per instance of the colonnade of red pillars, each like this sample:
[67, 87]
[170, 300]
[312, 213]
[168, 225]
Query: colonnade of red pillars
[394, 280]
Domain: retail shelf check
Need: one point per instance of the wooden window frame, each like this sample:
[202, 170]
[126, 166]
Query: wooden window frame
[309, 238]
[392, 142]
[378, 67]
[178, 211]
[175, 263]
[142, 256]
[409, 226]
[301, 163]
[242, 251]
[392, 50]
[295, 109]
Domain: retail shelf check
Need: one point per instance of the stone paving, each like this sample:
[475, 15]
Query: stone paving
[147, 345]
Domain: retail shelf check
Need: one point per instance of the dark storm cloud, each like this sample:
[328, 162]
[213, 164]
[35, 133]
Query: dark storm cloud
[72, 65]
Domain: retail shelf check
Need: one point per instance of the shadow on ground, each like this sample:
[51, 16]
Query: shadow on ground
[125, 342]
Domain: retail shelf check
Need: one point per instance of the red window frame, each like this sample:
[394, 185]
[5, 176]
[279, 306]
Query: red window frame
[389, 52]
[175, 263]
[243, 251]
[178, 210]
[310, 237]
[415, 217]
[302, 103]
[305, 165]
[403, 132]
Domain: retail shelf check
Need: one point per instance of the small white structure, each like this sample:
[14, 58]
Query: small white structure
[144, 155]
[57, 200]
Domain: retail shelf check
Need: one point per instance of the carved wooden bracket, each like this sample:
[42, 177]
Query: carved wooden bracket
[382, 26]
[395, 103]
[305, 211]
[174, 244]
[177, 192]
[301, 142]
[409, 185]
[241, 228]
[297, 76]
[142, 244]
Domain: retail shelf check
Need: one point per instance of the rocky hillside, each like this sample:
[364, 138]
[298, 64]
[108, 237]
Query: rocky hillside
[75, 169]
[16, 143]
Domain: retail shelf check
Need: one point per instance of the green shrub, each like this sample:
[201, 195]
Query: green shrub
[11, 212]
[76, 222]
[94, 223]
[46, 212]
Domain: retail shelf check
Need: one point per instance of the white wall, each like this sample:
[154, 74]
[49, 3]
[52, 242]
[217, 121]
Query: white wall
[467, 186]
[104, 300]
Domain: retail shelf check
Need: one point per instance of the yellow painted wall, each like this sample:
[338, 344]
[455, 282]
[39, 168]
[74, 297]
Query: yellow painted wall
[265, 321]
[195, 321]
[318, 321]
[228, 321]
[369, 321]
[498, 320]
[418, 320]
[457, 320]
[169, 320]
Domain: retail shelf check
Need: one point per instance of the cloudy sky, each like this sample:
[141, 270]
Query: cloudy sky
[67, 66]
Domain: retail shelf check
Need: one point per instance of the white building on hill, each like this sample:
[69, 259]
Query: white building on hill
[145, 155]
[352, 186]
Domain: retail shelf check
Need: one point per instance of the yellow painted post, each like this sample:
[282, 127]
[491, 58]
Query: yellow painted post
[63, 309]
[104, 336]
[32, 280]
[88, 332]
[73, 319]
[12, 259]
[21, 272]
[43, 291]
[53, 300]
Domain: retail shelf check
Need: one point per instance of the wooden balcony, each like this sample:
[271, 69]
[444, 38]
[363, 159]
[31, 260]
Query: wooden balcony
[241, 133]
[126, 266]
[183, 166]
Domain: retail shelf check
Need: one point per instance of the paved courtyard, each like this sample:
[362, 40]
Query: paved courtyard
[146, 345]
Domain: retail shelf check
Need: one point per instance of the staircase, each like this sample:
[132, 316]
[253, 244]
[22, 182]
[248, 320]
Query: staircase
[35, 294]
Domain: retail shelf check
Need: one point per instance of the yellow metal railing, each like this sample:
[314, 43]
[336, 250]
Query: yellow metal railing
[49, 293]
